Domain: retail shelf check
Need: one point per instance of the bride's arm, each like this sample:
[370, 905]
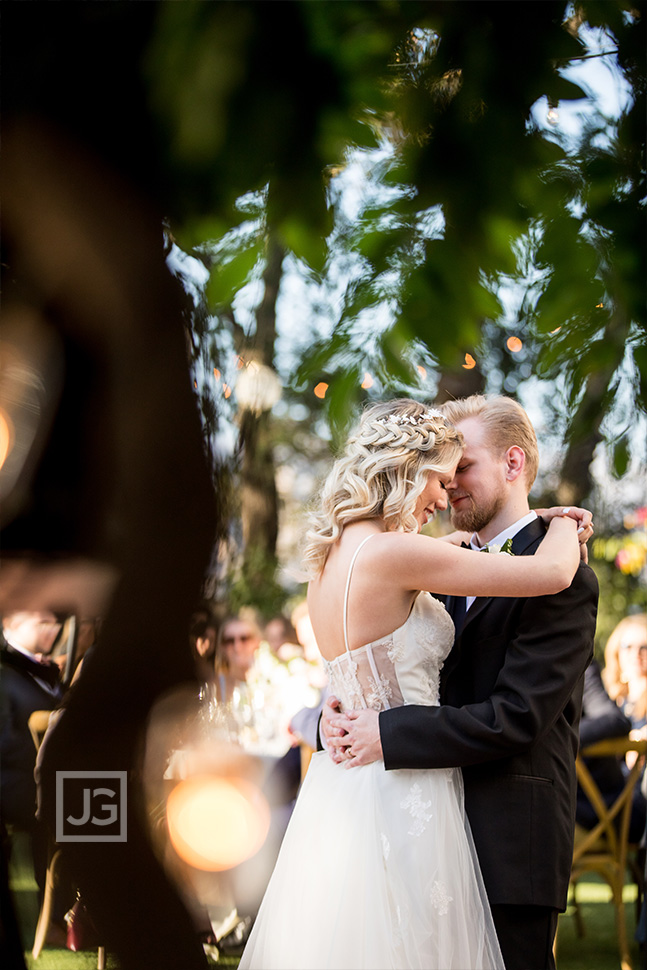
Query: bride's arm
[456, 538]
[420, 562]
[583, 517]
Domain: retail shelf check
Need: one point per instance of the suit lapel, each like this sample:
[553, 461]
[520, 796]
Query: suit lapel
[531, 535]
[523, 544]
[476, 609]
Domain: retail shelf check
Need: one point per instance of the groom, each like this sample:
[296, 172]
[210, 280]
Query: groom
[511, 694]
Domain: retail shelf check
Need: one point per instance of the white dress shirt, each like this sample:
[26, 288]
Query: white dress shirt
[498, 540]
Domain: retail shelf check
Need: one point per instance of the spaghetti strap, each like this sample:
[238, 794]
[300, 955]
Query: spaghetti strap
[350, 570]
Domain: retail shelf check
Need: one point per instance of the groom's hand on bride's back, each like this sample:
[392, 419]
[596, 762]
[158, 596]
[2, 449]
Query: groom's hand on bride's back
[351, 739]
[332, 728]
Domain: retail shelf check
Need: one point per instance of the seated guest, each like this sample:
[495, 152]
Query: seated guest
[625, 670]
[602, 719]
[238, 641]
[29, 682]
[281, 638]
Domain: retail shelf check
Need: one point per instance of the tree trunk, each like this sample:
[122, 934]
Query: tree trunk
[575, 477]
[259, 498]
[459, 383]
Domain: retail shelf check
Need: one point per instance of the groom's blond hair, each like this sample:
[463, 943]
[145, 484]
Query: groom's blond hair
[506, 424]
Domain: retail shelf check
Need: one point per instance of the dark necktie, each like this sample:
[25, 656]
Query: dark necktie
[460, 608]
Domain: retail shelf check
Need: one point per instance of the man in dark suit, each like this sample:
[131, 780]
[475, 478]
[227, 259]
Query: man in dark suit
[28, 682]
[602, 719]
[511, 694]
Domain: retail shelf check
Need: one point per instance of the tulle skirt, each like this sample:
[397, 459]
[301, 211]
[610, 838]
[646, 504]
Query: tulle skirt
[377, 870]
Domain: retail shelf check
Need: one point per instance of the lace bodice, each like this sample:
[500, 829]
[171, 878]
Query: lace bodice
[401, 668]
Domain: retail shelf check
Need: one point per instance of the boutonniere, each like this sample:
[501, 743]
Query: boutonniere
[506, 547]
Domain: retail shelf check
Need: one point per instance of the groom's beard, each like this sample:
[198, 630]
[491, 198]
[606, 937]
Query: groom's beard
[473, 519]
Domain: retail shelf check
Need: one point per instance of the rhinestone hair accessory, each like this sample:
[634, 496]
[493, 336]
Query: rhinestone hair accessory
[412, 419]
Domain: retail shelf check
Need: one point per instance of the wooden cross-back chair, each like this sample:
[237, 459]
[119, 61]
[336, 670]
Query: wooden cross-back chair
[306, 754]
[38, 723]
[605, 849]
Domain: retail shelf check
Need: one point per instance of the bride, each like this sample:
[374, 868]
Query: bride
[377, 868]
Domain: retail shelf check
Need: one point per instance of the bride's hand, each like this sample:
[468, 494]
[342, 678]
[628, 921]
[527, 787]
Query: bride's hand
[584, 520]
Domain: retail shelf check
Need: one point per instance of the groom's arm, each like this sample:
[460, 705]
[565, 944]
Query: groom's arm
[549, 653]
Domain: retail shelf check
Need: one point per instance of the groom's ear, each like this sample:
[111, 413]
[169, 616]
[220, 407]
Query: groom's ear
[515, 459]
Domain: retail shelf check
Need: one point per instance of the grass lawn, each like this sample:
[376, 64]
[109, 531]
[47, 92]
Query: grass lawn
[596, 950]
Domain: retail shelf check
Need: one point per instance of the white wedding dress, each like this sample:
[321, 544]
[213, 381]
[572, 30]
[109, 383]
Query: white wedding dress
[377, 868]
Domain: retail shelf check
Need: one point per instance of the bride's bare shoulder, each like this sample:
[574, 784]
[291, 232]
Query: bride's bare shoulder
[380, 559]
[389, 543]
[391, 556]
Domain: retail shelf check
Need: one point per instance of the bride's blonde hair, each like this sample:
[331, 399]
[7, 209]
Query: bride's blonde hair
[382, 473]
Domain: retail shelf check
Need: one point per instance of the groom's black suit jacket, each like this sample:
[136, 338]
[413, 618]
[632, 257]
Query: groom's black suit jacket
[511, 696]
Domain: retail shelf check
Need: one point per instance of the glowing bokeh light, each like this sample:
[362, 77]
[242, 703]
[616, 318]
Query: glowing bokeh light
[320, 390]
[6, 436]
[216, 823]
[258, 388]
[514, 345]
[469, 362]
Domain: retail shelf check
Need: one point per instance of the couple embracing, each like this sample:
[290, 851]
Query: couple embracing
[436, 833]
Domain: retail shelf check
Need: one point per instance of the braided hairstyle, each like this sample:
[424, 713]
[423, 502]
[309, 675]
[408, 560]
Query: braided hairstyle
[382, 473]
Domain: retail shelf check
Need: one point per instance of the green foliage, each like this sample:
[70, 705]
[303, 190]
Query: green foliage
[619, 559]
[621, 457]
[255, 585]
[467, 190]
[618, 594]
[229, 277]
[252, 95]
